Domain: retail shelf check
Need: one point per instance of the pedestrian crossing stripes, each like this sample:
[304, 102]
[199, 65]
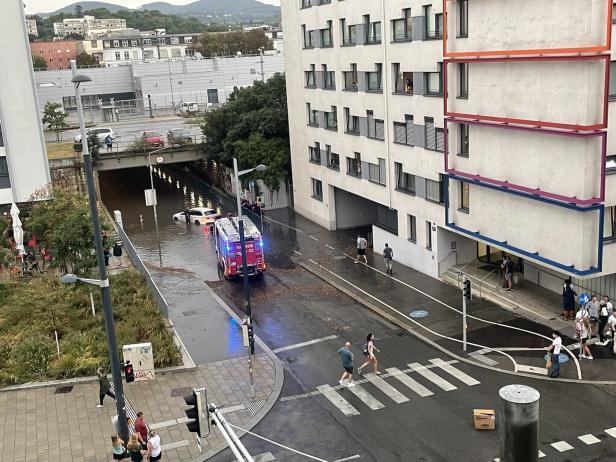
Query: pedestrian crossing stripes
[340, 396]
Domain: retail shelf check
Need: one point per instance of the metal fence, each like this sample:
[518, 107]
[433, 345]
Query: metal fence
[602, 285]
[132, 252]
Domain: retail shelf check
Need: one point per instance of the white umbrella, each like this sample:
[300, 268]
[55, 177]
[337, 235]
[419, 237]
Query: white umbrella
[18, 232]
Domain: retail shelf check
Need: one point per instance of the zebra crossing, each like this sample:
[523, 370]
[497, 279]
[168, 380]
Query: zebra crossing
[427, 376]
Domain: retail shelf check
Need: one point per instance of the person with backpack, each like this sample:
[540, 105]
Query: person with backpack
[388, 255]
[109, 143]
[117, 252]
[368, 351]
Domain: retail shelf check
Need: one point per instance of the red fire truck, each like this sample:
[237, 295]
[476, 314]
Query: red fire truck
[229, 249]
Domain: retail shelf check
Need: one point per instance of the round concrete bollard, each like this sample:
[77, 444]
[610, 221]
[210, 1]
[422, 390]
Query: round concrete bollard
[519, 423]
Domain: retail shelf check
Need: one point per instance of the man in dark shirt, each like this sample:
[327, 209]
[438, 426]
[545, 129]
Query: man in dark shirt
[346, 355]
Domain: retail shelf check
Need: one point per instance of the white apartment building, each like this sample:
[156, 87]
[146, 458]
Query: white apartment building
[147, 46]
[32, 27]
[88, 26]
[458, 135]
[23, 159]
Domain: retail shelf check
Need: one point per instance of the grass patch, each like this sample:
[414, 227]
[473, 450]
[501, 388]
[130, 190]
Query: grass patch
[59, 150]
[30, 311]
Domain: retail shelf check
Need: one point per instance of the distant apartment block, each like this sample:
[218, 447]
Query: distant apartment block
[31, 27]
[57, 54]
[147, 46]
[88, 26]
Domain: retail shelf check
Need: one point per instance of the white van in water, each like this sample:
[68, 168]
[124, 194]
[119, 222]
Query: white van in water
[188, 106]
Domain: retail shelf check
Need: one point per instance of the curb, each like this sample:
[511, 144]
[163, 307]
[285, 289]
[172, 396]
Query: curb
[277, 385]
[411, 330]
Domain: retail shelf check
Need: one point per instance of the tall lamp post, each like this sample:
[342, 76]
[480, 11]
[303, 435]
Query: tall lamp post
[102, 269]
[150, 195]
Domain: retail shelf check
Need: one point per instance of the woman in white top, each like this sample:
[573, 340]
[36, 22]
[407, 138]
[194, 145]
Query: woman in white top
[154, 450]
[369, 350]
[554, 352]
[582, 327]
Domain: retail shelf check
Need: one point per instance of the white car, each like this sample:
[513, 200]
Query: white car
[188, 107]
[100, 132]
[198, 216]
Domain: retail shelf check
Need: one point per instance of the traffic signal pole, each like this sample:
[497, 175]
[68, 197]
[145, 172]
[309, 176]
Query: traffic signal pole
[236, 446]
[466, 295]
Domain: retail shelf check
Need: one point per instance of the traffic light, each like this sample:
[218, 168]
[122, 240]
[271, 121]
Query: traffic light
[251, 338]
[129, 372]
[466, 291]
[194, 412]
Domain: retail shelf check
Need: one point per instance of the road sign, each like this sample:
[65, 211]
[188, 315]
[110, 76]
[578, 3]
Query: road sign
[150, 197]
[583, 299]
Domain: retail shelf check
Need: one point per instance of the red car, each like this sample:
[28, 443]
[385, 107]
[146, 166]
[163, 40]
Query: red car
[153, 138]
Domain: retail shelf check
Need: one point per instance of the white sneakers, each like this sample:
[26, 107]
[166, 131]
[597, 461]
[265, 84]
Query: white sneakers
[349, 385]
[99, 405]
[341, 382]
[587, 357]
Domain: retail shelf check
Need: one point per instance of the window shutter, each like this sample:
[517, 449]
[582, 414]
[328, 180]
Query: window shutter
[380, 130]
[430, 135]
[400, 135]
[410, 131]
[440, 140]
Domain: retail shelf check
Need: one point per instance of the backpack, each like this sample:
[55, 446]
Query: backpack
[365, 349]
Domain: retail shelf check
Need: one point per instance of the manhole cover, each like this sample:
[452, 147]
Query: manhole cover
[418, 314]
[183, 391]
[189, 313]
[255, 406]
[62, 390]
[290, 360]
[562, 358]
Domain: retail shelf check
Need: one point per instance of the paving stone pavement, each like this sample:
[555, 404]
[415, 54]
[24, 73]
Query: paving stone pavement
[41, 425]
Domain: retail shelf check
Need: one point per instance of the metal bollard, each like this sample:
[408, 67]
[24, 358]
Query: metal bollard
[519, 423]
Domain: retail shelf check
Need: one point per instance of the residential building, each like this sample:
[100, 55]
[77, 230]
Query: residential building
[31, 27]
[462, 139]
[58, 54]
[88, 26]
[147, 46]
[91, 47]
[23, 159]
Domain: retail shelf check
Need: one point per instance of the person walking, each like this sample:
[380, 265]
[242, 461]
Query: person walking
[611, 328]
[154, 450]
[582, 327]
[141, 429]
[362, 243]
[368, 351]
[388, 255]
[554, 352]
[593, 312]
[605, 310]
[117, 252]
[568, 300]
[109, 143]
[509, 273]
[104, 387]
[346, 356]
[135, 450]
[117, 447]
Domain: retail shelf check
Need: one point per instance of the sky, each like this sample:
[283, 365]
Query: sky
[45, 6]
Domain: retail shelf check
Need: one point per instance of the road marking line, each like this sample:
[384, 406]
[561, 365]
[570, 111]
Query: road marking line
[356, 456]
[313, 238]
[432, 377]
[589, 439]
[562, 446]
[386, 388]
[611, 432]
[175, 445]
[166, 423]
[237, 407]
[366, 397]
[483, 359]
[457, 373]
[330, 247]
[282, 224]
[296, 252]
[309, 342]
[541, 454]
[182, 420]
[409, 382]
[532, 369]
[342, 404]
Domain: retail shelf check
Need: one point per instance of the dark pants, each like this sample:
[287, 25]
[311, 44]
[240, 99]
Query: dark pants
[602, 323]
[101, 396]
[555, 365]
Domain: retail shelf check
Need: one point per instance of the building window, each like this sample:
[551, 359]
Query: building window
[311, 77]
[412, 231]
[134, 43]
[306, 3]
[351, 121]
[124, 43]
[612, 91]
[175, 40]
[377, 173]
[402, 27]
[434, 190]
[434, 81]
[433, 23]
[349, 33]
[312, 116]
[188, 40]
[147, 42]
[372, 31]
[428, 235]
[462, 18]
[116, 43]
[430, 133]
[405, 182]
[126, 55]
[329, 78]
[374, 80]
[326, 36]
[610, 164]
[4, 168]
[93, 44]
[387, 219]
[376, 127]
[212, 95]
[404, 132]
[354, 165]
[118, 57]
[106, 44]
[440, 139]
[161, 41]
[464, 140]
[331, 119]
[403, 81]
[350, 78]
[333, 159]
[462, 80]
[317, 189]
[315, 153]
[464, 197]
[609, 224]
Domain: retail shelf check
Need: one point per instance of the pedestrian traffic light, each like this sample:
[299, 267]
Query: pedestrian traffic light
[251, 338]
[194, 412]
[466, 291]
[129, 372]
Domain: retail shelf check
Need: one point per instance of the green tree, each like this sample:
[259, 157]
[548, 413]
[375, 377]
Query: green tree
[38, 62]
[74, 36]
[85, 59]
[253, 126]
[230, 43]
[78, 11]
[54, 117]
[94, 146]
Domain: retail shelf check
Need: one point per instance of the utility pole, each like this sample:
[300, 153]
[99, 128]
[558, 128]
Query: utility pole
[262, 64]
[466, 295]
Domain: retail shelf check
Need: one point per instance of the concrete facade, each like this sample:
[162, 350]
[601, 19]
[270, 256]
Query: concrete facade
[23, 159]
[470, 152]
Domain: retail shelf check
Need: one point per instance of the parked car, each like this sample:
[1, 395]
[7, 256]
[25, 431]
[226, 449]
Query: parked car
[179, 136]
[100, 132]
[198, 216]
[153, 138]
[188, 107]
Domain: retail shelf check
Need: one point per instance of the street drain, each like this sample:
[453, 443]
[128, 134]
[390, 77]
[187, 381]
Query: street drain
[183, 391]
[290, 360]
[62, 390]
[255, 406]
[189, 313]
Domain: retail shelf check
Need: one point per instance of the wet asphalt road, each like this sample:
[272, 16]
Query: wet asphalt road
[293, 306]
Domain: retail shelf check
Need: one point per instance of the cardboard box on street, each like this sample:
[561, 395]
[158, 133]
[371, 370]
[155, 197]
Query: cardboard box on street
[484, 419]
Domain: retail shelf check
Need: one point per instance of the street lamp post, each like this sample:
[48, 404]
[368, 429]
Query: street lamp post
[151, 199]
[102, 269]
